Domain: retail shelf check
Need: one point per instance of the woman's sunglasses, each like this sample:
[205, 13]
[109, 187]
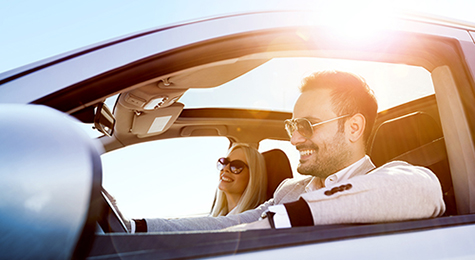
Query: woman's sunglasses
[303, 126]
[235, 166]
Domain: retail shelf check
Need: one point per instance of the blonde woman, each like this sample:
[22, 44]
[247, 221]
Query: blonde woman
[242, 182]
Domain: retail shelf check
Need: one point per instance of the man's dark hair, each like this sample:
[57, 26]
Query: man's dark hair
[350, 95]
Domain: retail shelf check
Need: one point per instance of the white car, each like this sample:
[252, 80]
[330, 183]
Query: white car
[180, 95]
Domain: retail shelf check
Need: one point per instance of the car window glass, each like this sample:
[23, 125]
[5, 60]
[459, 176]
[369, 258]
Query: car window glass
[165, 178]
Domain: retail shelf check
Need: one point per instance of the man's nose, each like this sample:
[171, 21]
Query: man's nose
[297, 138]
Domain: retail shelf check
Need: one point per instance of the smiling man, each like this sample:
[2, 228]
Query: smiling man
[332, 121]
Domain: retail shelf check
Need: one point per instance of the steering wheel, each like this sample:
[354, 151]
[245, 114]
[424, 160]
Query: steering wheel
[112, 220]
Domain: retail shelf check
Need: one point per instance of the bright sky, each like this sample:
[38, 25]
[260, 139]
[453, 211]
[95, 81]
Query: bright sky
[32, 30]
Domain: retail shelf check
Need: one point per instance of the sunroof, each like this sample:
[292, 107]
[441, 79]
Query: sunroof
[274, 85]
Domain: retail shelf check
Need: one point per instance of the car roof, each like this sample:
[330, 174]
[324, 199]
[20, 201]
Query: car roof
[28, 68]
[217, 51]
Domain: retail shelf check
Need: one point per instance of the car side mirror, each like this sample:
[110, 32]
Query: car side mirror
[51, 175]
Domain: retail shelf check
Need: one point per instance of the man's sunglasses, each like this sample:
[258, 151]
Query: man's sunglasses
[235, 166]
[303, 126]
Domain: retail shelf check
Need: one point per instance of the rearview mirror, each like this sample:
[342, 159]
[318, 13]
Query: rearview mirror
[104, 120]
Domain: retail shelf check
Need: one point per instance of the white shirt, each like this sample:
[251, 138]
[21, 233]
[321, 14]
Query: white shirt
[337, 177]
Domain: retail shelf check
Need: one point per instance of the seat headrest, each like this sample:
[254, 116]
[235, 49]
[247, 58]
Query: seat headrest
[278, 169]
[400, 135]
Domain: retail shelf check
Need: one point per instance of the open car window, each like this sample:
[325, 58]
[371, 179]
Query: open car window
[155, 179]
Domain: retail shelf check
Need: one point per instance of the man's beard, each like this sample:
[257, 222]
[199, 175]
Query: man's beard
[329, 159]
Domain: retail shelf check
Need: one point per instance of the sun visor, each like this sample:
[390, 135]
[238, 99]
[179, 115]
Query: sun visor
[212, 76]
[155, 122]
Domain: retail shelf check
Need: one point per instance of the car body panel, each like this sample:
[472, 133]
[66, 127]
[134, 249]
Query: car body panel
[394, 246]
[286, 242]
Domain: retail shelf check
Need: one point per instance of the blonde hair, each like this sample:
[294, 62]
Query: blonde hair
[255, 192]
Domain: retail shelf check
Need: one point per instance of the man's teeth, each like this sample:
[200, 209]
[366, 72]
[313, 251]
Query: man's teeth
[306, 152]
[224, 178]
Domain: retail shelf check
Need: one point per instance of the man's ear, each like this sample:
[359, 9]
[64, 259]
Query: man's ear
[355, 126]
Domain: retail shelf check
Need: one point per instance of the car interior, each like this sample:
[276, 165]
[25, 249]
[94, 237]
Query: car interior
[152, 110]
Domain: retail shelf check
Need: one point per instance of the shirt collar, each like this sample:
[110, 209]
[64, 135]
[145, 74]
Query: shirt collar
[337, 177]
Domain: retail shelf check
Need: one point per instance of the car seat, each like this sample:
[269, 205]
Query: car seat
[278, 169]
[418, 139]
